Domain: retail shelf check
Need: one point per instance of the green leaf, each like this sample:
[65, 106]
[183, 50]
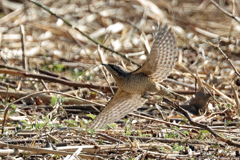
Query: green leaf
[185, 120]
[58, 100]
[176, 147]
[12, 112]
[13, 106]
[228, 122]
[92, 131]
[58, 67]
[112, 125]
[186, 133]
[140, 133]
[128, 133]
[91, 115]
[147, 135]
[25, 122]
[166, 136]
[162, 148]
[100, 142]
[53, 101]
[171, 135]
[229, 105]
[204, 131]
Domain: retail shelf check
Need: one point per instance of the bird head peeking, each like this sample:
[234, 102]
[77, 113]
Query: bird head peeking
[118, 72]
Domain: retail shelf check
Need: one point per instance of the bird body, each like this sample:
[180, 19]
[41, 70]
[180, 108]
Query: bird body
[137, 83]
[133, 87]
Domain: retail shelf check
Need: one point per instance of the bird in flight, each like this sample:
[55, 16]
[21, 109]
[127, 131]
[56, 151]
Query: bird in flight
[133, 87]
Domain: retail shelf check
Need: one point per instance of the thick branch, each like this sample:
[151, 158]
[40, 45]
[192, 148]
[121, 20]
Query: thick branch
[52, 79]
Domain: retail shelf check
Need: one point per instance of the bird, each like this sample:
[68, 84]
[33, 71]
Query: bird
[134, 87]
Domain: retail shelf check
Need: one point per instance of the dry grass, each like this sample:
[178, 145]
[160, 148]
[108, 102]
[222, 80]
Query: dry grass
[55, 61]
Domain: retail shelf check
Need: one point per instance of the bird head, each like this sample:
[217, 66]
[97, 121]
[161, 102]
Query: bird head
[117, 71]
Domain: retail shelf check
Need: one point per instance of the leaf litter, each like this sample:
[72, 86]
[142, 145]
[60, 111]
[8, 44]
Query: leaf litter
[52, 83]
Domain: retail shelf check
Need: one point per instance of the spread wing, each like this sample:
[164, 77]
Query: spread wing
[162, 56]
[119, 106]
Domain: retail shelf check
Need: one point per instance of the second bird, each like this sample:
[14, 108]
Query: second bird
[133, 87]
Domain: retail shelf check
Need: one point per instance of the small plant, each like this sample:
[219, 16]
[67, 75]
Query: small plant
[185, 120]
[92, 131]
[58, 67]
[100, 142]
[216, 145]
[38, 125]
[57, 100]
[75, 73]
[24, 124]
[229, 105]
[186, 133]
[176, 147]
[112, 125]
[162, 148]
[228, 122]
[175, 128]
[171, 135]
[91, 116]
[202, 134]
[14, 109]
[140, 133]
[128, 132]
[71, 123]
[147, 135]
[204, 131]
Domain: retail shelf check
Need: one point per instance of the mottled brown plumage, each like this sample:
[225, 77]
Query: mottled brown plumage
[134, 86]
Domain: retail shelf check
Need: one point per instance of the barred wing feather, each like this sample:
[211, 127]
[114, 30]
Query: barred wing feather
[162, 56]
[119, 106]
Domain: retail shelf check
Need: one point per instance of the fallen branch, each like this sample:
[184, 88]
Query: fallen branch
[196, 124]
[162, 121]
[226, 12]
[53, 79]
[48, 151]
[225, 56]
[174, 140]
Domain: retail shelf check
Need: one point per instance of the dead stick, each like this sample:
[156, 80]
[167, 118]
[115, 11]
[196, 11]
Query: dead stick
[225, 56]
[206, 127]
[226, 12]
[48, 151]
[52, 79]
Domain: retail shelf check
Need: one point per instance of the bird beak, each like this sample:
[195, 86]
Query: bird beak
[106, 66]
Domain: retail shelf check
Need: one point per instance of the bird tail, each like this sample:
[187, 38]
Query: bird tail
[171, 95]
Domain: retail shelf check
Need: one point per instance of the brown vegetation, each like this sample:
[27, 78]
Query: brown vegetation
[52, 82]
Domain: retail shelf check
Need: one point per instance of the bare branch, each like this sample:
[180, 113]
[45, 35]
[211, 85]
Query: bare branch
[226, 12]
